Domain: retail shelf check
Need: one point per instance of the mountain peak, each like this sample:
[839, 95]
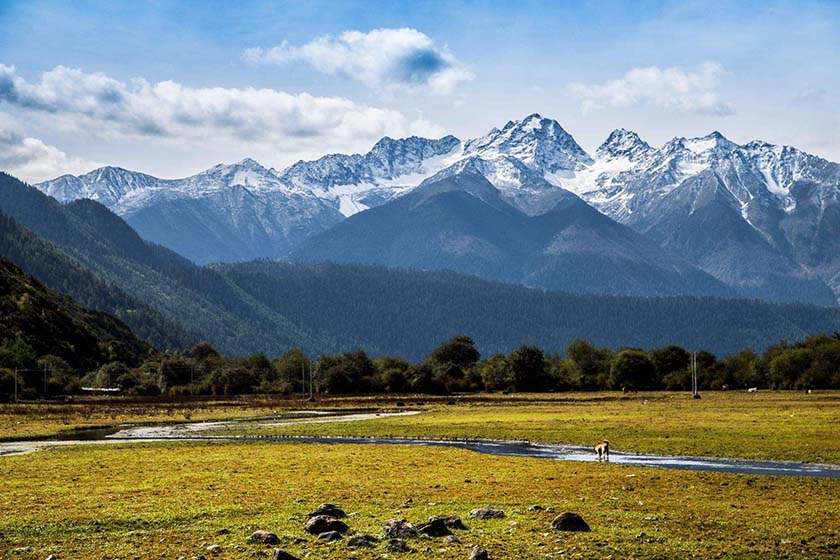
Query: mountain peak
[538, 142]
[622, 142]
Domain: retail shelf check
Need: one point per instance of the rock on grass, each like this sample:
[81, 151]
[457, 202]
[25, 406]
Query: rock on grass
[328, 509]
[324, 523]
[263, 537]
[282, 555]
[399, 529]
[569, 521]
[487, 513]
[361, 541]
[478, 553]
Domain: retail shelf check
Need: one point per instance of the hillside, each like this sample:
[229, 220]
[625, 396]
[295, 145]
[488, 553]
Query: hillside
[51, 323]
[410, 312]
[197, 298]
[62, 273]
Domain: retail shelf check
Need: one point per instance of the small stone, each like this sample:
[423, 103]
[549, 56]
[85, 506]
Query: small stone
[223, 532]
[330, 536]
[568, 521]
[397, 545]
[263, 537]
[452, 539]
[535, 507]
[436, 527]
[641, 535]
[487, 513]
[399, 529]
[282, 555]
[362, 541]
[478, 553]
[451, 521]
[323, 523]
[328, 509]
[214, 549]
[52, 557]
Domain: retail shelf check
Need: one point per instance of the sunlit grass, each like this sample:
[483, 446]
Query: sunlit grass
[169, 500]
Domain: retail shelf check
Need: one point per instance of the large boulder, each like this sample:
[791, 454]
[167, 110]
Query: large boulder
[399, 529]
[263, 537]
[451, 521]
[487, 513]
[324, 523]
[569, 521]
[328, 509]
[436, 527]
[330, 536]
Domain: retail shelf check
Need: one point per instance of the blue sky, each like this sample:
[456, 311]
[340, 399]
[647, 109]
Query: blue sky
[171, 88]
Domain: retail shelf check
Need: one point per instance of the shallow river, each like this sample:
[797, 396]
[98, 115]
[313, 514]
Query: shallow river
[202, 431]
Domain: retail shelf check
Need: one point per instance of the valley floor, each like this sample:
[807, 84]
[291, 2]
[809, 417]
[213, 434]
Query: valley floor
[174, 499]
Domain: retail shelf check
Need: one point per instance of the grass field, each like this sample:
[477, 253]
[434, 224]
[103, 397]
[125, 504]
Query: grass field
[169, 500]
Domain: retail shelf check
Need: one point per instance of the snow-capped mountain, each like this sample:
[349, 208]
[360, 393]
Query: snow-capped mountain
[356, 182]
[226, 213]
[760, 217]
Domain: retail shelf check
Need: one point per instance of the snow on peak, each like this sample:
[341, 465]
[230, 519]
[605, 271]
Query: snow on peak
[623, 143]
[536, 141]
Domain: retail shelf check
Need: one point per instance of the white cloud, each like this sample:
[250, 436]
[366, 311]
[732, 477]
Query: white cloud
[167, 108]
[32, 160]
[94, 107]
[381, 59]
[669, 88]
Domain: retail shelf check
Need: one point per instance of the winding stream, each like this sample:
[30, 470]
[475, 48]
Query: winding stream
[202, 431]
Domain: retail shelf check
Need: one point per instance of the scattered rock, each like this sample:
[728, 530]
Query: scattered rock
[324, 523]
[549, 509]
[436, 527]
[282, 555]
[452, 539]
[451, 521]
[399, 529]
[487, 513]
[223, 532]
[568, 521]
[641, 535]
[361, 540]
[478, 553]
[214, 549]
[397, 545]
[328, 509]
[52, 557]
[263, 537]
[535, 507]
[330, 536]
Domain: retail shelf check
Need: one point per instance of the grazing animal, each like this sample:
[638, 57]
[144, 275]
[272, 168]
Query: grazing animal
[603, 451]
[752, 390]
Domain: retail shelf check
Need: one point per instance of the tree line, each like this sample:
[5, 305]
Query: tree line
[453, 367]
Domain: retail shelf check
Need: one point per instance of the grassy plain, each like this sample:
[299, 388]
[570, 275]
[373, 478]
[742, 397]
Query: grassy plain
[170, 500]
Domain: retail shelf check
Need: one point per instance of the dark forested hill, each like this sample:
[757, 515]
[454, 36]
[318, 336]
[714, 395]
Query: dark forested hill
[36, 318]
[410, 312]
[60, 272]
[197, 298]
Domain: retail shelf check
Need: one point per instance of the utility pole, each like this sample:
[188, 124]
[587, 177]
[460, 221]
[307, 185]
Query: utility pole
[311, 391]
[303, 380]
[694, 393]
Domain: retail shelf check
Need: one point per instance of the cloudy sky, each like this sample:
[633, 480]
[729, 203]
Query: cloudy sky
[171, 88]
